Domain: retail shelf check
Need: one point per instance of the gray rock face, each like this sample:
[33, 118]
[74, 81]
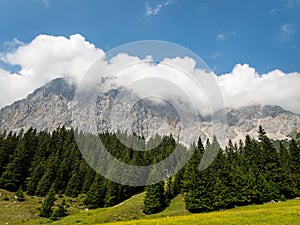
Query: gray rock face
[50, 107]
[46, 108]
[277, 122]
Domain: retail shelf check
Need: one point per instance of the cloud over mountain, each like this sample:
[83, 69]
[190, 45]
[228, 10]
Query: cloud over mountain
[48, 57]
[43, 59]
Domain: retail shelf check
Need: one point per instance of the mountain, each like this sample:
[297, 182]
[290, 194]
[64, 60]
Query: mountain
[47, 108]
[50, 106]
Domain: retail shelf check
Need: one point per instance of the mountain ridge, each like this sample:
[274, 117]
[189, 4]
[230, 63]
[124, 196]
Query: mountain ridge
[50, 106]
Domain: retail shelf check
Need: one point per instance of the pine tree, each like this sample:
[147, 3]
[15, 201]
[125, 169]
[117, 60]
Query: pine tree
[60, 211]
[8, 145]
[38, 166]
[155, 199]
[113, 193]
[48, 177]
[18, 169]
[271, 164]
[48, 203]
[295, 162]
[96, 195]
[74, 185]
[198, 184]
[287, 186]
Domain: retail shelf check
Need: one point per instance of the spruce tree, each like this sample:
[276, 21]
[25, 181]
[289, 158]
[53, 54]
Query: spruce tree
[60, 211]
[155, 199]
[295, 162]
[271, 164]
[74, 185]
[196, 194]
[287, 186]
[8, 145]
[46, 208]
[96, 195]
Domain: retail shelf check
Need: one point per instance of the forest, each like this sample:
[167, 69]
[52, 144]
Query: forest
[48, 164]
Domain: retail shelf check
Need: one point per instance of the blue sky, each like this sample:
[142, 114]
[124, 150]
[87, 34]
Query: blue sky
[264, 34]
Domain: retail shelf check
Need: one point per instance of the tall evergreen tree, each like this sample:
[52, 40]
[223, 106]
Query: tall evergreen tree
[46, 208]
[155, 199]
[287, 186]
[96, 195]
[295, 162]
[199, 185]
[271, 169]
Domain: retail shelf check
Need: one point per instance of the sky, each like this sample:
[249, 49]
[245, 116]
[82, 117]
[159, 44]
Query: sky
[249, 44]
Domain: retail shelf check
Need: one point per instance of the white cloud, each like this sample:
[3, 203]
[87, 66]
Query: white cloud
[42, 60]
[48, 57]
[244, 86]
[152, 11]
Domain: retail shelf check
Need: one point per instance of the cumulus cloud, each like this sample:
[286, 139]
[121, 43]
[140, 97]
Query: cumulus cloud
[48, 57]
[43, 59]
[244, 86]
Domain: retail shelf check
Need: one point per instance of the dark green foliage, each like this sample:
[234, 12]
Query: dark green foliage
[295, 162]
[46, 208]
[198, 185]
[254, 171]
[17, 170]
[60, 211]
[8, 144]
[74, 185]
[96, 195]
[155, 200]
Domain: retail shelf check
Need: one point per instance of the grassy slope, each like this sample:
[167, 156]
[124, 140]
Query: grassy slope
[128, 210]
[14, 212]
[284, 213]
[26, 213]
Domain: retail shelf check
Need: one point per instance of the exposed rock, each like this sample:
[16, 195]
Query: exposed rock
[50, 107]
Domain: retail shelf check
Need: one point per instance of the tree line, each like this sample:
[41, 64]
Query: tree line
[253, 171]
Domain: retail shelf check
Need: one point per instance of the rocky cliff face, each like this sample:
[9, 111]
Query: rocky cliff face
[50, 107]
[46, 108]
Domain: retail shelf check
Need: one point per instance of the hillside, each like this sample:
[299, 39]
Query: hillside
[25, 213]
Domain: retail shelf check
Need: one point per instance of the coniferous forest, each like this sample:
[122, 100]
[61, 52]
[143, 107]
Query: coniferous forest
[250, 172]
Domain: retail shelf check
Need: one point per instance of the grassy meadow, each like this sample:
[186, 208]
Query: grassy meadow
[129, 213]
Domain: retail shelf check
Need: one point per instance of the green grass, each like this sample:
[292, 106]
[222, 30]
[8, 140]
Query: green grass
[283, 213]
[14, 212]
[129, 213]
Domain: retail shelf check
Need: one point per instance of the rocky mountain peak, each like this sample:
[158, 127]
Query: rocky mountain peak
[50, 106]
[59, 86]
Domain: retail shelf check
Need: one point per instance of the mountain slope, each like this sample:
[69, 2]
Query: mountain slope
[50, 106]
[47, 108]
